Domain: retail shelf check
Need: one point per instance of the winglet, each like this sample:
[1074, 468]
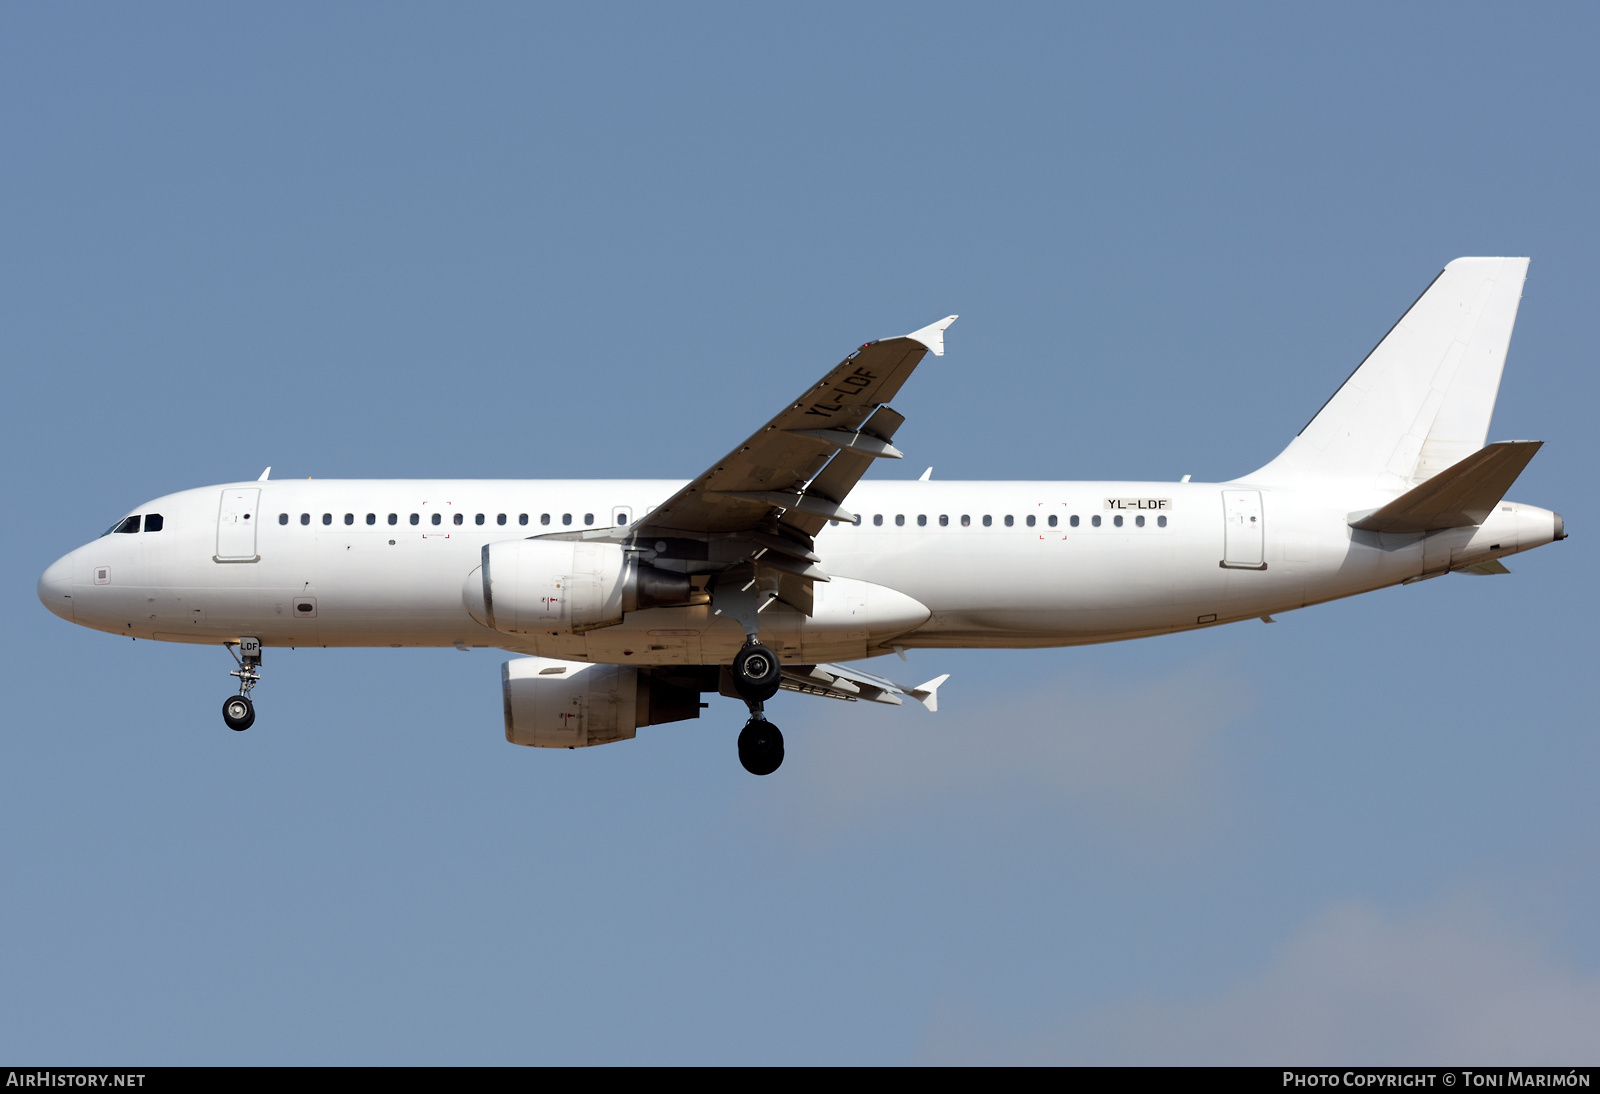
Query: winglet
[265, 474]
[932, 335]
[928, 694]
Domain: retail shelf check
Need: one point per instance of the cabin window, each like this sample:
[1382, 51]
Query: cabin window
[857, 521]
[987, 520]
[305, 518]
[1138, 521]
[1032, 520]
[1009, 521]
[283, 518]
[500, 518]
[349, 518]
[415, 519]
[877, 520]
[944, 520]
[372, 518]
[899, 520]
[394, 518]
[327, 518]
[966, 521]
[1161, 522]
[922, 520]
[461, 519]
[1073, 520]
[1095, 520]
[438, 519]
[1117, 520]
[833, 524]
[478, 519]
[522, 518]
[566, 518]
[588, 518]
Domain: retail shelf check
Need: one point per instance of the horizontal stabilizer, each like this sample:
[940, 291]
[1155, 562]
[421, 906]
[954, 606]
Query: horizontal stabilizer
[1461, 495]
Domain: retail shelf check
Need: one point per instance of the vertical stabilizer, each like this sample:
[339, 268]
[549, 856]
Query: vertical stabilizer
[1422, 399]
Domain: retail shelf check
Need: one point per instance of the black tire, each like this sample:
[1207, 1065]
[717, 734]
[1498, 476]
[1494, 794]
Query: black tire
[239, 712]
[756, 673]
[760, 747]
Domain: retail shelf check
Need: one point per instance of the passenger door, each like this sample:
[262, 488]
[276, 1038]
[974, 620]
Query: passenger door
[1244, 539]
[236, 525]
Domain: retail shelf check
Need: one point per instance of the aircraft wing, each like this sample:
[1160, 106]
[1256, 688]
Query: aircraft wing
[799, 467]
[764, 501]
[843, 682]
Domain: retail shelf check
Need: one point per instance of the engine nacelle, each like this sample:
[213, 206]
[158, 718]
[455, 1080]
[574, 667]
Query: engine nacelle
[571, 704]
[536, 586]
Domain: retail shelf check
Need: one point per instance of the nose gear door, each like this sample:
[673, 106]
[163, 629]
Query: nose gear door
[236, 525]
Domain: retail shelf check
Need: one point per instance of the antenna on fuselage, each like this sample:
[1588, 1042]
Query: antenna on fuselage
[265, 474]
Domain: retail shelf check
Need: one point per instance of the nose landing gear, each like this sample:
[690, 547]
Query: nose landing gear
[238, 711]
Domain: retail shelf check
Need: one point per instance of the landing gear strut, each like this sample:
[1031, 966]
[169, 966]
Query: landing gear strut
[238, 711]
[755, 671]
[756, 675]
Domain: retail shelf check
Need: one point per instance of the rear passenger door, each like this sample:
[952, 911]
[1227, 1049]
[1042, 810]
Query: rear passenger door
[1244, 537]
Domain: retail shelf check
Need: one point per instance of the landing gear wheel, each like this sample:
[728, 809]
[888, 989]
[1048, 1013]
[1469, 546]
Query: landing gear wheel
[760, 747]
[240, 713]
[756, 673]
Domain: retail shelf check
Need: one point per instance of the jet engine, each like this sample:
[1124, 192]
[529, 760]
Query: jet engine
[570, 704]
[534, 586]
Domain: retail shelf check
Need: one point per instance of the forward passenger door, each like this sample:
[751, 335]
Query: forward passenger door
[236, 525]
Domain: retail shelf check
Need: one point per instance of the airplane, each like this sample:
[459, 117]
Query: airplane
[628, 600]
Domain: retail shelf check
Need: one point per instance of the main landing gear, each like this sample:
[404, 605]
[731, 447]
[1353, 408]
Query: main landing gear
[238, 711]
[756, 675]
[760, 746]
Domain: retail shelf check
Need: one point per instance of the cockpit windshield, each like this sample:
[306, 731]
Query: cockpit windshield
[128, 524]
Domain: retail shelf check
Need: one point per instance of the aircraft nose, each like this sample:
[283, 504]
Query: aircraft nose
[55, 587]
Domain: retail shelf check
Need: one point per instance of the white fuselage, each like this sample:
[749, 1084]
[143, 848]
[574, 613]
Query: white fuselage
[952, 564]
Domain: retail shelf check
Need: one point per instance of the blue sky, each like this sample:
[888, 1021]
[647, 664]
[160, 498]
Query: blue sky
[498, 241]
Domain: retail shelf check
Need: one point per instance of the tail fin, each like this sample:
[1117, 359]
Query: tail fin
[1422, 399]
